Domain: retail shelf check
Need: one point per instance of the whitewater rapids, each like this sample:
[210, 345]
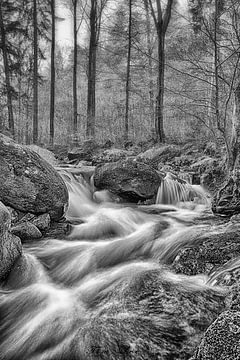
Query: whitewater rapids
[97, 293]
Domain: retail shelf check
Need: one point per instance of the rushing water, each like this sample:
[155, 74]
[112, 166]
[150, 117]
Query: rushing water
[74, 298]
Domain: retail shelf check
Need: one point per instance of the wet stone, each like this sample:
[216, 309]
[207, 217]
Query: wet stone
[10, 245]
[26, 231]
[42, 222]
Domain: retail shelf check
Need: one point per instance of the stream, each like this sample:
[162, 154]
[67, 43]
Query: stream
[93, 294]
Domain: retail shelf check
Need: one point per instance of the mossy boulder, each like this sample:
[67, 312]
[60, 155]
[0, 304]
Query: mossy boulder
[10, 245]
[132, 180]
[29, 183]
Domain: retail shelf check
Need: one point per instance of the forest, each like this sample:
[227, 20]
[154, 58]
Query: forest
[136, 70]
[120, 180]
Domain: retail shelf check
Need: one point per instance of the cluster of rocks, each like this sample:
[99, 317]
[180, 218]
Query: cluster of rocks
[33, 199]
[135, 176]
[33, 195]
[136, 168]
[215, 252]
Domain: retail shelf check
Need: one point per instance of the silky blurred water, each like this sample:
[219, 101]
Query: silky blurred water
[61, 284]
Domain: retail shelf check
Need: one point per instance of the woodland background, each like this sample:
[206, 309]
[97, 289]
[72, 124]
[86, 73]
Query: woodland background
[138, 70]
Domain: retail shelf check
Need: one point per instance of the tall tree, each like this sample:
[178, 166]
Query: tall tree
[128, 79]
[75, 31]
[150, 59]
[35, 73]
[52, 92]
[161, 21]
[92, 56]
[7, 72]
[95, 21]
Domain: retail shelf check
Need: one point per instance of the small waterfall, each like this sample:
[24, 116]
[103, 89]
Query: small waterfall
[174, 190]
[99, 293]
[80, 195]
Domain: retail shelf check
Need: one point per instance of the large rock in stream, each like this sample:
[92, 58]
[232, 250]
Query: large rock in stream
[227, 199]
[10, 245]
[212, 247]
[132, 180]
[222, 339]
[28, 183]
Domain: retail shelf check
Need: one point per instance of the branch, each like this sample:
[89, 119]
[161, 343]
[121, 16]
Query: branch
[159, 12]
[167, 15]
[153, 13]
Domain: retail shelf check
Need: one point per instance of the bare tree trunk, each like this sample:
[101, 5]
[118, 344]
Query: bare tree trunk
[7, 74]
[52, 94]
[150, 62]
[216, 63]
[159, 100]
[91, 102]
[233, 151]
[75, 125]
[128, 72]
[35, 74]
[211, 100]
[161, 23]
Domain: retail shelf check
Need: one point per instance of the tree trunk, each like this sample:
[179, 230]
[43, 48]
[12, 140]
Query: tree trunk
[52, 94]
[216, 65]
[160, 93]
[211, 100]
[7, 74]
[35, 74]
[150, 63]
[233, 151]
[91, 103]
[128, 72]
[75, 122]
[161, 23]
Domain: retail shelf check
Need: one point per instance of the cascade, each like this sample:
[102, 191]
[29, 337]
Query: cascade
[174, 190]
[98, 293]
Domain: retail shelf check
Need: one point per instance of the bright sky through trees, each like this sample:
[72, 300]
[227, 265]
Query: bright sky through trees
[64, 28]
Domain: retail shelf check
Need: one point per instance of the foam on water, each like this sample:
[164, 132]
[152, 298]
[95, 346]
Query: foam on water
[174, 191]
[74, 282]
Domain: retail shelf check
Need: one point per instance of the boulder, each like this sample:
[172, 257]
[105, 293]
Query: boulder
[213, 247]
[42, 222]
[132, 180]
[10, 245]
[111, 155]
[153, 317]
[222, 339]
[28, 183]
[27, 270]
[46, 154]
[163, 155]
[26, 231]
[83, 152]
[210, 172]
[227, 200]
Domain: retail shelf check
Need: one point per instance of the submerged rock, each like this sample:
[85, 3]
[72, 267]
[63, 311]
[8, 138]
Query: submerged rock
[214, 247]
[152, 317]
[28, 183]
[10, 245]
[147, 315]
[130, 179]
